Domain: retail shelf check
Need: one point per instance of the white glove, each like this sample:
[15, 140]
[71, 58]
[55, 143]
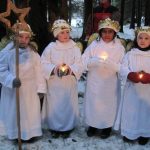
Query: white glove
[112, 65]
[94, 62]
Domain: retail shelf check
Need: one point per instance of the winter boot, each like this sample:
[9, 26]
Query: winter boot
[65, 134]
[55, 134]
[143, 140]
[125, 139]
[91, 131]
[105, 133]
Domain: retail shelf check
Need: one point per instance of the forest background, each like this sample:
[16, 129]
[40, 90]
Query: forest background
[76, 12]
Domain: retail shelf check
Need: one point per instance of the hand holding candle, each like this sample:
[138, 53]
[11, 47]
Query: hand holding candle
[63, 70]
[104, 56]
[137, 77]
[133, 77]
[144, 77]
[108, 62]
[141, 74]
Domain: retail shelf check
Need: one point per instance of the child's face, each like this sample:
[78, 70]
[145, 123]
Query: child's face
[143, 40]
[107, 35]
[23, 40]
[64, 36]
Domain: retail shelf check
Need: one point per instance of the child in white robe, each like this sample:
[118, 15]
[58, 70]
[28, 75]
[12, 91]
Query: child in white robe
[102, 59]
[30, 82]
[134, 113]
[62, 67]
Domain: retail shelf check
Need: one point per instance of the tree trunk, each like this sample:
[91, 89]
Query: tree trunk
[147, 13]
[70, 11]
[88, 10]
[132, 24]
[3, 4]
[64, 10]
[122, 14]
[37, 19]
[53, 11]
[139, 13]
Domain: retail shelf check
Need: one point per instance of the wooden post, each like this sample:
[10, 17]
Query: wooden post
[17, 95]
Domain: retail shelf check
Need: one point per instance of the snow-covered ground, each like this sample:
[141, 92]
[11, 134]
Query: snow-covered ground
[78, 139]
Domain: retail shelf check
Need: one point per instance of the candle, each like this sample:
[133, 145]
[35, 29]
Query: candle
[63, 68]
[140, 75]
[104, 56]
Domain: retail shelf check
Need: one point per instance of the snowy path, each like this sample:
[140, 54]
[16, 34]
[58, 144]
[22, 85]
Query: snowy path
[77, 141]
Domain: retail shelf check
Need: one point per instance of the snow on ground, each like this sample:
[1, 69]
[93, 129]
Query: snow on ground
[78, 139]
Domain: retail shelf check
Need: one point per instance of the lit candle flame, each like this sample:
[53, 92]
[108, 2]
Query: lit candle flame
[104, 56]
[63, 68]
[141, 75]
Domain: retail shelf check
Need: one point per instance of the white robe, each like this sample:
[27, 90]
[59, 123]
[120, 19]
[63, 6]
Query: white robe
[60, 109]
[32, 82]
[102, 83]
[134, 112]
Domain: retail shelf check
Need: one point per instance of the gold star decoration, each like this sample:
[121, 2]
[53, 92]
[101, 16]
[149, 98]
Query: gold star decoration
[21, 13]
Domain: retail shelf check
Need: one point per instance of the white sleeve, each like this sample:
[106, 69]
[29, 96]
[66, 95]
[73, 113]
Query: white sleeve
[6, 77]
[47, 65]
[77, 66]
[86, 57]
[40, 80]
[124, 69]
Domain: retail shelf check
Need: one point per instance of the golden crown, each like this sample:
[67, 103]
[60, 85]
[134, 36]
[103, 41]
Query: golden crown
[22, 27]
[108, 23]
[60, 23]
[144, 29]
